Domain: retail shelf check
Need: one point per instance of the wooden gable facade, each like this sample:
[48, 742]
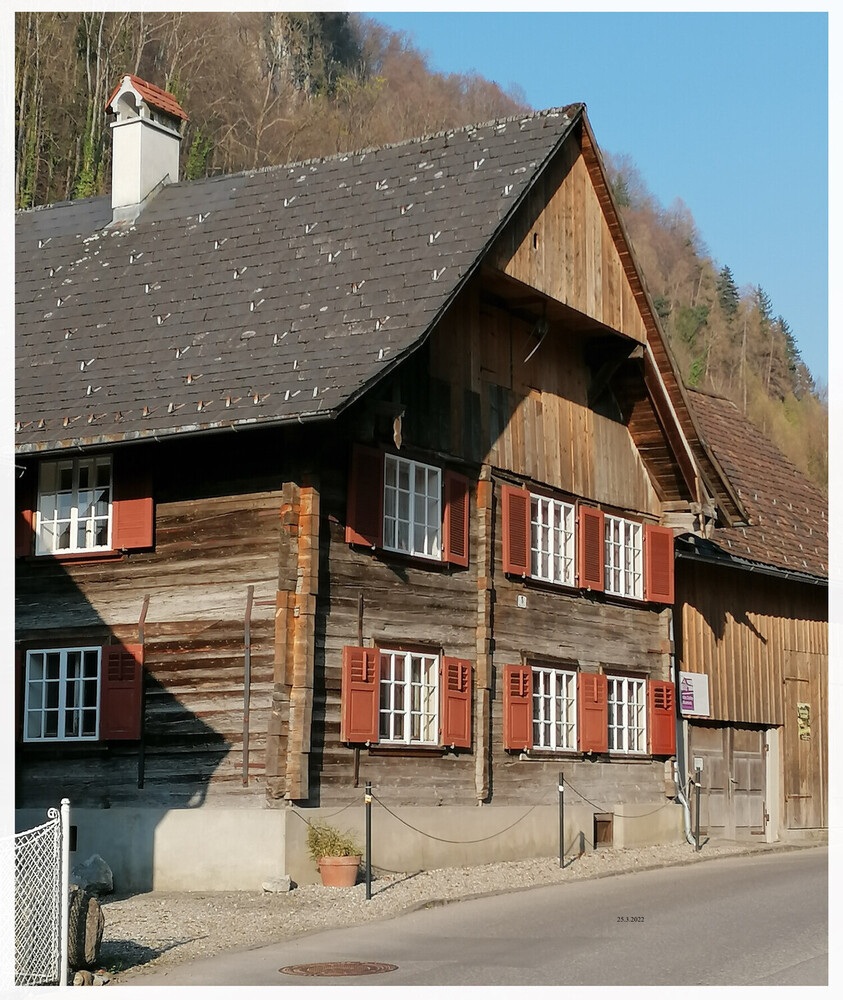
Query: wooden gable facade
[454, 585]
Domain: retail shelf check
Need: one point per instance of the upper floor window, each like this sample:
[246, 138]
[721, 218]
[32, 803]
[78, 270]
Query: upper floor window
[412, 514]
[74, 505]
[85, 505]
[552, 537]
[581, 546]
[624, 553]
[404, 505]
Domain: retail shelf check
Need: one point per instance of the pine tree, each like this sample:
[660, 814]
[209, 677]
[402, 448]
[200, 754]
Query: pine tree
[727, 292]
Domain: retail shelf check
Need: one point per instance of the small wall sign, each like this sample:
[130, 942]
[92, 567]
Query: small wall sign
[693, 694]
[803, 716]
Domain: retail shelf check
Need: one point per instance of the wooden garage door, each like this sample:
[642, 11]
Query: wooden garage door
[732, 797]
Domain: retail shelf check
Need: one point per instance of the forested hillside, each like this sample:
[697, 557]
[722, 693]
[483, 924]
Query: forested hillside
[268, 88]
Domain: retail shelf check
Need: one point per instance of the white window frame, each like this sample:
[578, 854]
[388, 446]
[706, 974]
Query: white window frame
[554, 708]
[412, 516]
[553, 538]
[408, 706]
[78, 510]
[627, 711]
[69, 695]
[624, 557]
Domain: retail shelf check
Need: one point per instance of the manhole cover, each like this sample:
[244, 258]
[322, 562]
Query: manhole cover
[338, 969]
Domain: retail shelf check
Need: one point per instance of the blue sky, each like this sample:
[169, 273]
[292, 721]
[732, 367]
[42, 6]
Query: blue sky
[727, 111]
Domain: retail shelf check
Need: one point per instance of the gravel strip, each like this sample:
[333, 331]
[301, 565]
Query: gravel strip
[148, 931]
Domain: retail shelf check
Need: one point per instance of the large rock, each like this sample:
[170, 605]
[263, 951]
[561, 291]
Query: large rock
[280, 884]
[84, 932]
[94, 876]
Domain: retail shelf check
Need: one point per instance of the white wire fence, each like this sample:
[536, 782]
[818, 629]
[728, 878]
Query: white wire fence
[34, 875]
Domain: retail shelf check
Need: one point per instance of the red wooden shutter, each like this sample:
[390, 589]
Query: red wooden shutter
[25, 501]
[121, 692]
[517, 707]
[662, 718]
[591, 549]
[516, 530]
[364, 514]
[658, 564]
[455, 523]
[593, 712]
[359, 713]
[456, 702]
[132, 508]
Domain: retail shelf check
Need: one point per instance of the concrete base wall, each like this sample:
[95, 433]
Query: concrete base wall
[210, 849]
[453, 836]
[177, 849]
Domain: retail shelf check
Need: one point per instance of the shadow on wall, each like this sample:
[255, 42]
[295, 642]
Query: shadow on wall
[95, 725]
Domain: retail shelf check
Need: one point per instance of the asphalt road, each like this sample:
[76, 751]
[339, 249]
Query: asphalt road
[756, 920]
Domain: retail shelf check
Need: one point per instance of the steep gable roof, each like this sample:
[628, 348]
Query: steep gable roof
[788, 526]
[267, 296]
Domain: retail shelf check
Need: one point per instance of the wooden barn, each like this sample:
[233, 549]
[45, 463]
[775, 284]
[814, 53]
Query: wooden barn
[752, 619]
[364, 469]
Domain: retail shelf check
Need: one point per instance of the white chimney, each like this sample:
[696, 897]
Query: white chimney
[145, 150]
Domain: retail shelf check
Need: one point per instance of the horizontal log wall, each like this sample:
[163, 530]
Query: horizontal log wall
[213, 539]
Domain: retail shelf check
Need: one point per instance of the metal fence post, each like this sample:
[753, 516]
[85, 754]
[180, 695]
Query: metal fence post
[561, 820]
[368, 801]
[697, 810]
[65, 890]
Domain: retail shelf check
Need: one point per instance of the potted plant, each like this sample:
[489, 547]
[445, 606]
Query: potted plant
[336, 853]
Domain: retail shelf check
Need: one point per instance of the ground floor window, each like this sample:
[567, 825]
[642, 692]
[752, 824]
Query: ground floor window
[62, 694]
[627, 712]
[409, 697]
[554, 709]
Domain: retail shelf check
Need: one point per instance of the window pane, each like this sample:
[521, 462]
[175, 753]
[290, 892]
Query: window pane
[35, 694]
[65, 477]
[53, 662]
[51, 724]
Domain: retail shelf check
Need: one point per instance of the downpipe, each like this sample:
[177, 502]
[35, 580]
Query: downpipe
[680, 739]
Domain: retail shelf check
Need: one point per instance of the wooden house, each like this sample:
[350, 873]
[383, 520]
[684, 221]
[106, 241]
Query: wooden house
[360, 469]
[752, 620]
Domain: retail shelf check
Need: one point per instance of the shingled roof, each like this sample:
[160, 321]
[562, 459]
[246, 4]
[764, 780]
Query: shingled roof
[788, 515]
[266, 296]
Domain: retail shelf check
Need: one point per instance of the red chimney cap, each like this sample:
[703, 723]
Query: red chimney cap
[154, 96]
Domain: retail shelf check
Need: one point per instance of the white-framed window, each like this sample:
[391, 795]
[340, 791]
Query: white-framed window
[62, 694]
[552, 540]
[412, 507]
[624, 548]
[409, 698]
[627, 710]
[554, 708]
[74, 505]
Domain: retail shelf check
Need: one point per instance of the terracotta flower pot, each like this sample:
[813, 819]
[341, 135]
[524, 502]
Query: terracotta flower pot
[341, 872]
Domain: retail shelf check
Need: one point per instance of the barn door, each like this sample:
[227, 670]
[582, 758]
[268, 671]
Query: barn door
[733, 780]
[805, 761]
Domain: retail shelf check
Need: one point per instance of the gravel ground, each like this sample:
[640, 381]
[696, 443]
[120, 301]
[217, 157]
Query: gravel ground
[151, 930]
